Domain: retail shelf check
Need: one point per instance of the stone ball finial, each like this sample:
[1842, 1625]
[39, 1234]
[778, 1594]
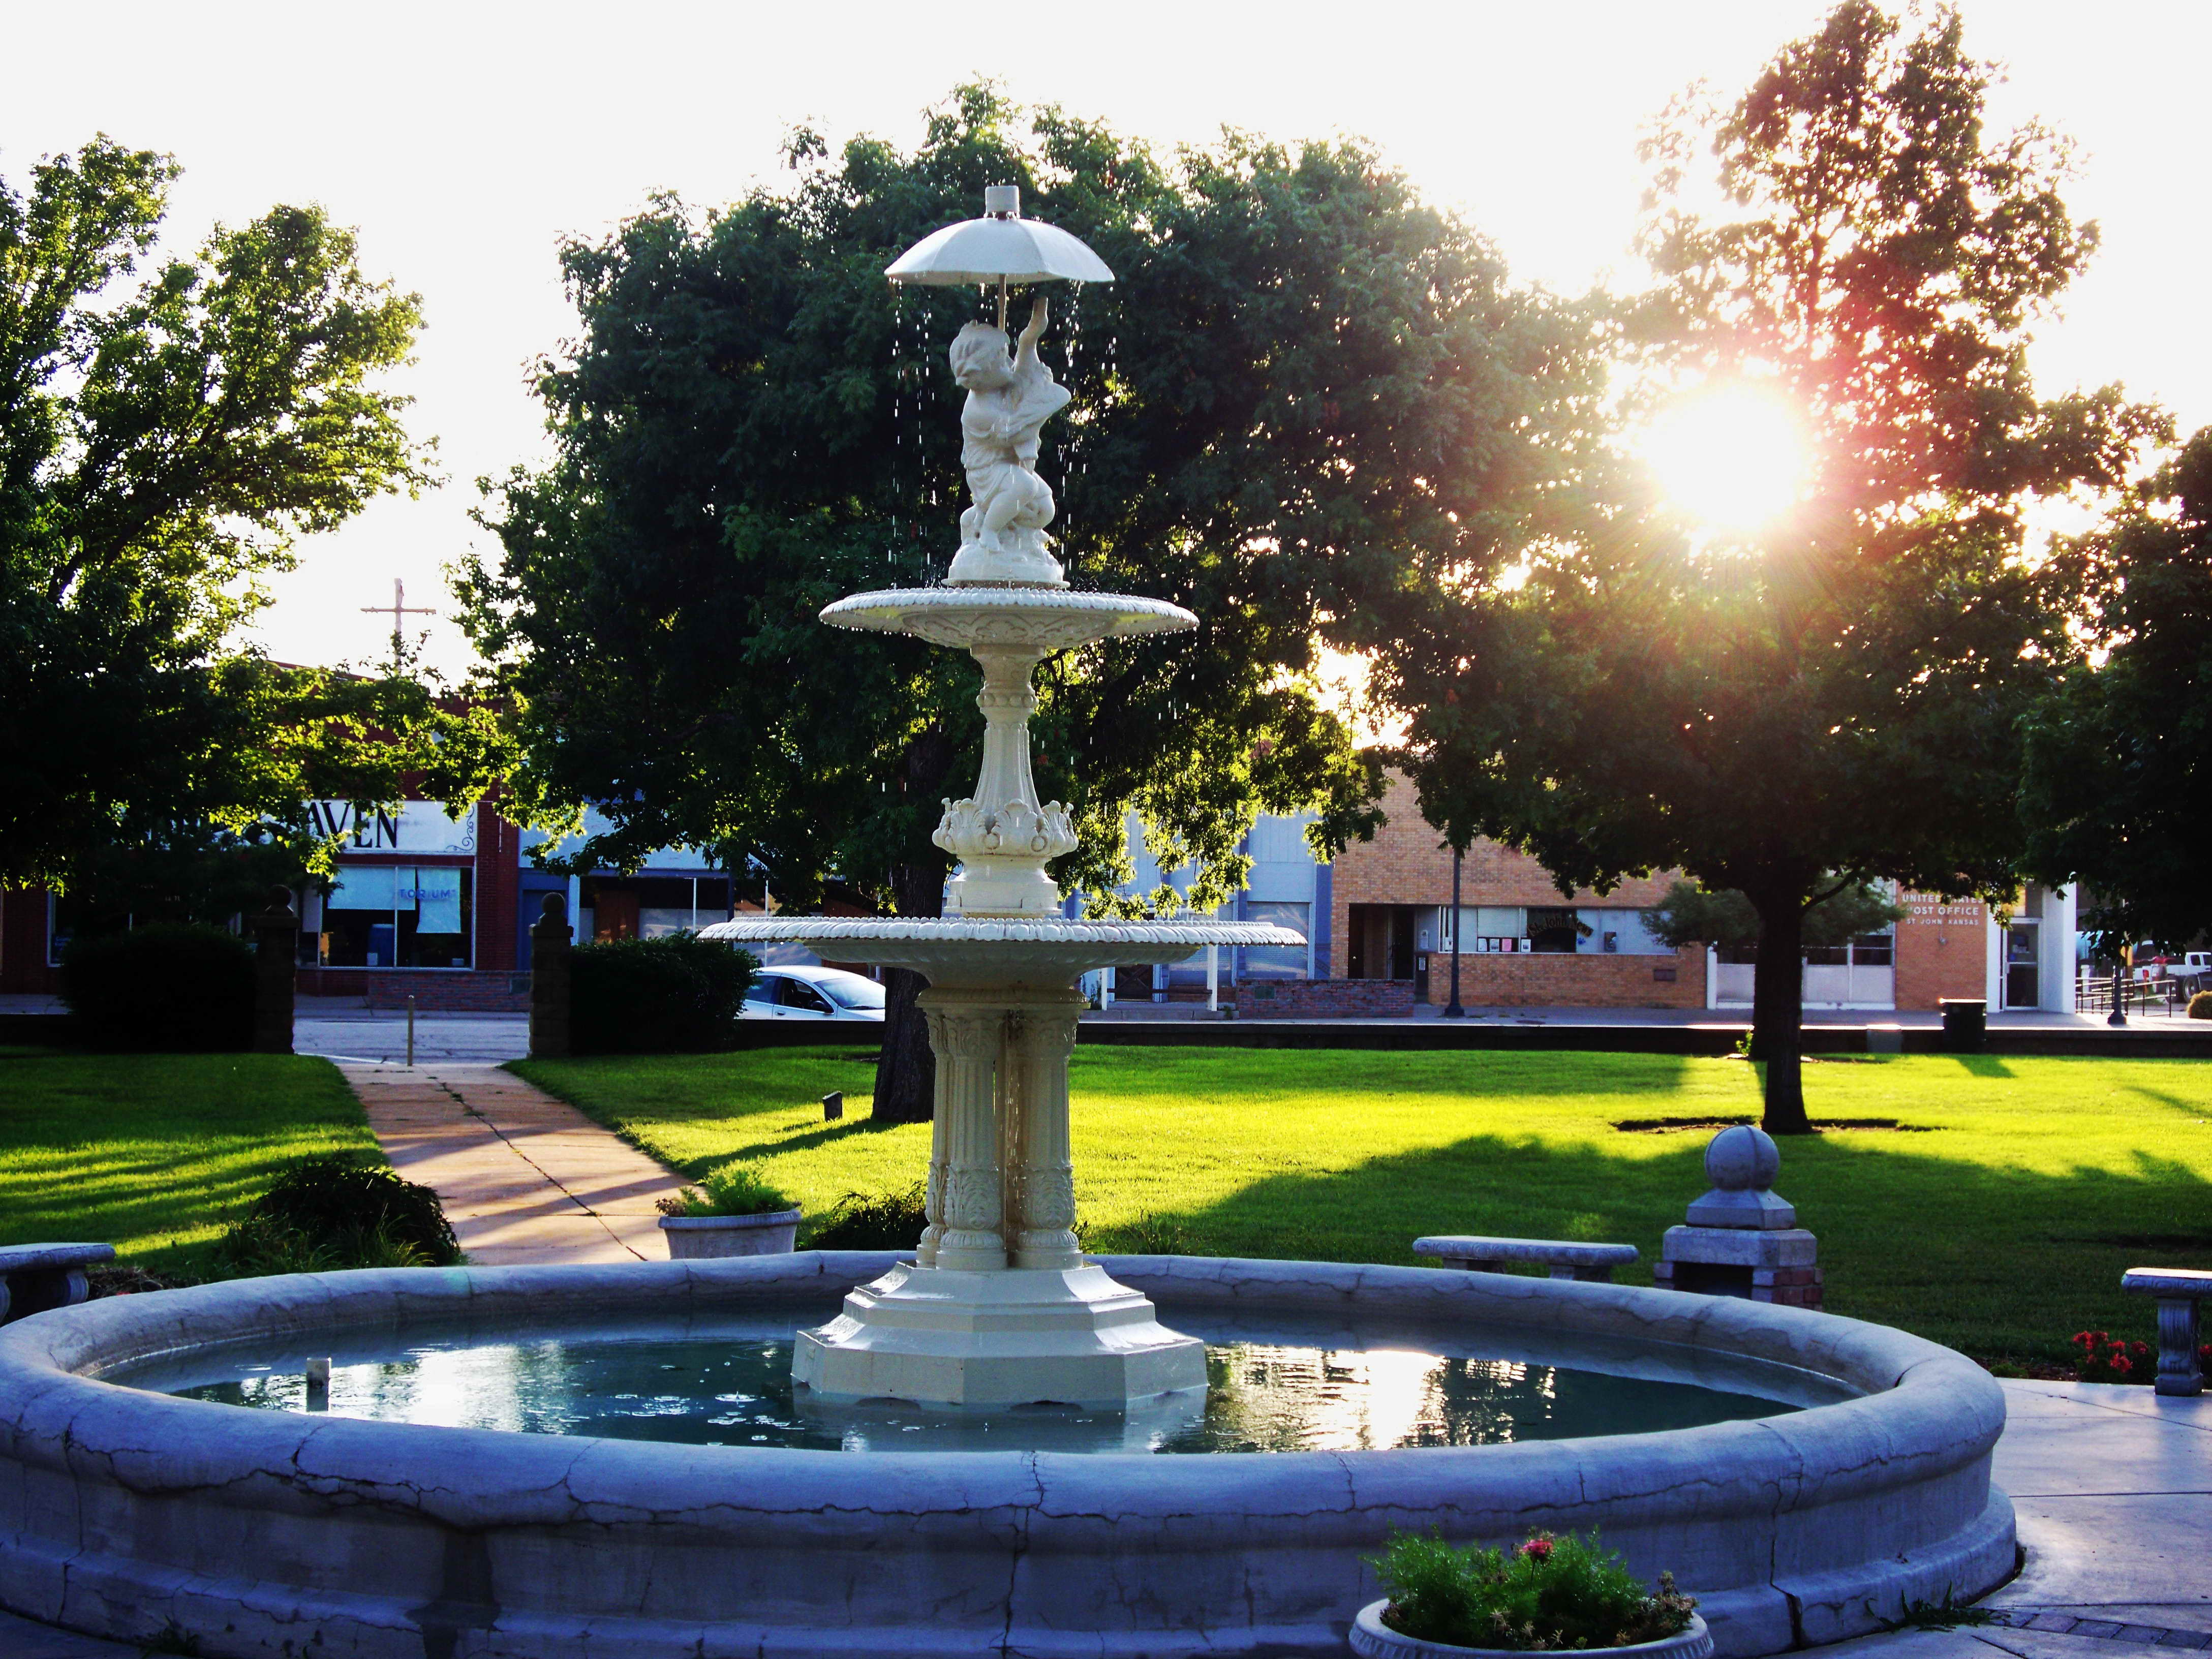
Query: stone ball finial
[280, 898]
[1741, 1163]
[1743, 1158]
[554, 907]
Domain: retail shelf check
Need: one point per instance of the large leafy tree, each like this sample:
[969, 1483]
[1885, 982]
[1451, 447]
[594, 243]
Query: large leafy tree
[1304, 382]
[2118, 789]
[163, 441]
[1835, 696]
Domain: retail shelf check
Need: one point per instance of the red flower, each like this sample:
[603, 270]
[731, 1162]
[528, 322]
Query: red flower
[1538, 1549]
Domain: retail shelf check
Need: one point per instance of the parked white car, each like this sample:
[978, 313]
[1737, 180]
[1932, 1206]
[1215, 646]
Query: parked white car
[813, 994]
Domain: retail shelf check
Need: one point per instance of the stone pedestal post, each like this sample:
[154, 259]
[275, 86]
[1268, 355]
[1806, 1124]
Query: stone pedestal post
[1741, 1238]
[276, 973]
[548, 980]
[999, 1307]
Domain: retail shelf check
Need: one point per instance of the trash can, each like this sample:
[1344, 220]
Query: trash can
[1965, 1024]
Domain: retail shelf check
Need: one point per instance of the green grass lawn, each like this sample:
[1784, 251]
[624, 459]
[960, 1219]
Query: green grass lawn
[157, 1153]
[1998, 1220]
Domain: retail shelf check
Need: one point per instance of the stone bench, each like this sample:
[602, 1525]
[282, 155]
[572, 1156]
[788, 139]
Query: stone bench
[1562, 1257]
[36, 1277]
[2180, 1292]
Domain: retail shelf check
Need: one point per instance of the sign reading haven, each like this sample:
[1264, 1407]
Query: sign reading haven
[418, 826]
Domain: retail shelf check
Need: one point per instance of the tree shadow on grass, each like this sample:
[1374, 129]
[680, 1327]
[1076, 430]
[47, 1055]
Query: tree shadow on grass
[1991, 1259]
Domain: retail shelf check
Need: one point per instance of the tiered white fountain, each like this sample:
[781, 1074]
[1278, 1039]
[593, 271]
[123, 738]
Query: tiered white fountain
[1000, 1308]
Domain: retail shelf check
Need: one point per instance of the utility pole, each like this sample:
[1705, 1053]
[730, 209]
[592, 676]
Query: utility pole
[400, 610]
[1452, 1010]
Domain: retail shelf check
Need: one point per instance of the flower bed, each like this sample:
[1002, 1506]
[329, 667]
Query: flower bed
[2103, 1358]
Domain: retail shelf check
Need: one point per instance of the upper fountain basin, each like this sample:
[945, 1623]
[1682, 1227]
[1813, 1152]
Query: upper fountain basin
[999, 951]
[1043, 619]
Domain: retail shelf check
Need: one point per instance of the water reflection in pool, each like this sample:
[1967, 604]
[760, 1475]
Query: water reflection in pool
[1266, 1392]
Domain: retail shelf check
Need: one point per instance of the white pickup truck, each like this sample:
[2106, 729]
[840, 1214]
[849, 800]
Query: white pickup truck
[2188, 965]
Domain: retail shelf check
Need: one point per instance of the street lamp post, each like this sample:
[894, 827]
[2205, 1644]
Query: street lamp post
[1452, 1010]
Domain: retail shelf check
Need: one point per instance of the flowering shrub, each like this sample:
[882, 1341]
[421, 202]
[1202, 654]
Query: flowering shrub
[1551, 1593]
[2106, 1359]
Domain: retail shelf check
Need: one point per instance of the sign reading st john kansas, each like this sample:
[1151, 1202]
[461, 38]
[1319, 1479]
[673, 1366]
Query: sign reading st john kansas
[418, 826]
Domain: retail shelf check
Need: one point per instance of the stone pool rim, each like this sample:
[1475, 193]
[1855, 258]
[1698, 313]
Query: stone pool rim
[123, 1511]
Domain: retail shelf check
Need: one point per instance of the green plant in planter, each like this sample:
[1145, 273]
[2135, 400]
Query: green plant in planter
[736, 1189]
[1552, 1592]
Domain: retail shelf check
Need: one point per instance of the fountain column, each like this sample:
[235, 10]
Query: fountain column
[1040, 1166]
[968, 1033]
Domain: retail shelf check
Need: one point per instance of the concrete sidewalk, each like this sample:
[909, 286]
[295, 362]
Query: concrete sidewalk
[525, 1179]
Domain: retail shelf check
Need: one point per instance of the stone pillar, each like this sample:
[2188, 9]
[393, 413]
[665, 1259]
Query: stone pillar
[2180, 1373]
[1741, 1238]
[276, 973]
[548, 980]
[1041, 1171]
[933, 1201]
[967, 1036]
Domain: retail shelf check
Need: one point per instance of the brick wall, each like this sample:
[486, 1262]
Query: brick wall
[1324, 998]
[1575, 981]
[445, 991]
[469, 992]
[1942, 950]
[1408, 864]
[23, 970]
[498, 886]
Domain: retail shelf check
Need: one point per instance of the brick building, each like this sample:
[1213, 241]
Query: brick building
[1523, 944]
[1382, 913]
[422, 905]
[440, 910]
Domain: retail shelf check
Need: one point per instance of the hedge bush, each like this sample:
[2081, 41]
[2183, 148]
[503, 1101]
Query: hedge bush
[337, 1211]
[2200, 1006]
[679, 994]
[168, 987]
[872, 1221]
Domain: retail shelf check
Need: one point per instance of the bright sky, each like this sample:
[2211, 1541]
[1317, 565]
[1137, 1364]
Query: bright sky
[462, 140]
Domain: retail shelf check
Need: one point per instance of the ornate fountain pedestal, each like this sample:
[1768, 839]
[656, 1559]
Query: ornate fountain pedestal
[999, 1307]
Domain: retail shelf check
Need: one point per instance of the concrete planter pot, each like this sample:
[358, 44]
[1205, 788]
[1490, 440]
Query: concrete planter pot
[1373, 1639]
[695, 1238]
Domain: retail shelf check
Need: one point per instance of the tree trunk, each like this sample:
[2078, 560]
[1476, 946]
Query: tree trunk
[1777, 1008]
[906, 1070]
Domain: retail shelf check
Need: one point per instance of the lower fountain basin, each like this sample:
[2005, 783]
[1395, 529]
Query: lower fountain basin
[123, 1511]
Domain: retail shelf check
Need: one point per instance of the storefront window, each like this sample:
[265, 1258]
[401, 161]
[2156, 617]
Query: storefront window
[1279, 961]
[398, 916]
[649, 906]
[1554, 930]
[61, 927]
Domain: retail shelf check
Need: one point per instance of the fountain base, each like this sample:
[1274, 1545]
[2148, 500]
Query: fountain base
[1020, 1336]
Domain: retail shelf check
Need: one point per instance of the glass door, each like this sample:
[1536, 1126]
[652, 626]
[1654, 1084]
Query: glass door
[2023, 987]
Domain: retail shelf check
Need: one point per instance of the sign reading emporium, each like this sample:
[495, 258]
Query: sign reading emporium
[418, 826]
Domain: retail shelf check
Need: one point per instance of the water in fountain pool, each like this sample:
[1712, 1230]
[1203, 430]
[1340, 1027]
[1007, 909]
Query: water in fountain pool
[1273, 1388]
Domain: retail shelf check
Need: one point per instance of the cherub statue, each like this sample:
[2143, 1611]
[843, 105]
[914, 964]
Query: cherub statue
[1010, 398]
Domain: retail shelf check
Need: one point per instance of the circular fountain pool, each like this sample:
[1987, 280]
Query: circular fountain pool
[1280, 1385]
[125, 1510]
